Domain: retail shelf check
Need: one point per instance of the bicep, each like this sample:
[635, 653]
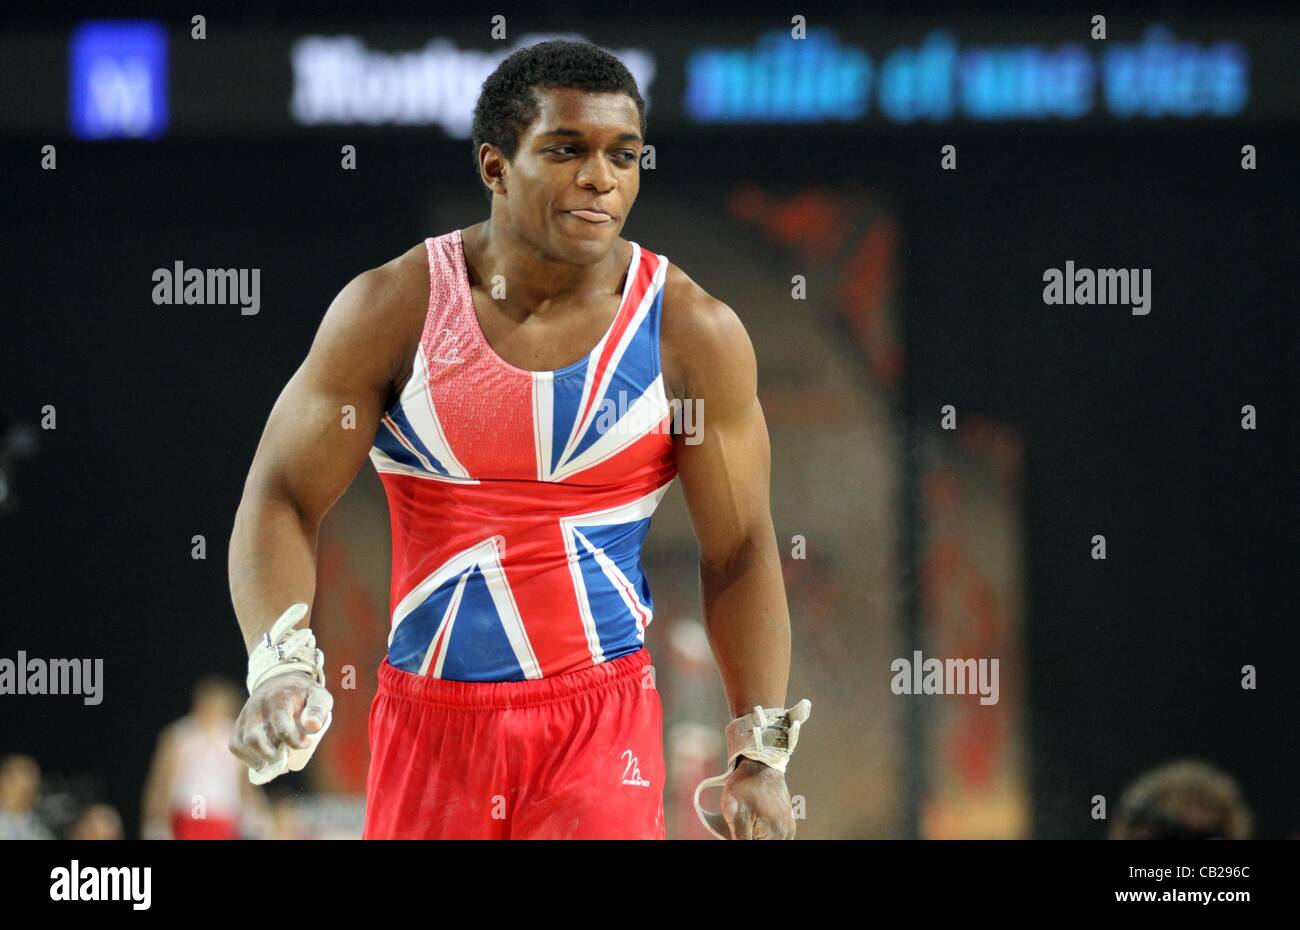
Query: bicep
[725, 467]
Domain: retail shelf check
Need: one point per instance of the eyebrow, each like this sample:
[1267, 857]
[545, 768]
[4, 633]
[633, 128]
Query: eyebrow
[578, 133]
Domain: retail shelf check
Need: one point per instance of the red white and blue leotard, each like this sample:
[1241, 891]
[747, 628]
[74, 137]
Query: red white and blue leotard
[519, 499]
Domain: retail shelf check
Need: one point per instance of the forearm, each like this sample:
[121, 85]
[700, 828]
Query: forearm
[156, 800]
[153, 809]
[272, 563]
[748, 622]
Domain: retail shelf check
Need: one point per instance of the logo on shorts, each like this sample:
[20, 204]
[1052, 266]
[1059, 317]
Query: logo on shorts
[632, 771]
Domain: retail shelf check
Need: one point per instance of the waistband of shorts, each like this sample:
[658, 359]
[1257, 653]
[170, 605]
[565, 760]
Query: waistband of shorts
[498, 695]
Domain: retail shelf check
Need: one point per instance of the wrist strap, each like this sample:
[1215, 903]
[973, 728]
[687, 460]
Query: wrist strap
[285, 649]
[768, 735]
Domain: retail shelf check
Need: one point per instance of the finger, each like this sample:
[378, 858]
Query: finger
[319, 705]
[236, 746]
[263, 743]
[780, 825]
[741, 821]
[286, 729]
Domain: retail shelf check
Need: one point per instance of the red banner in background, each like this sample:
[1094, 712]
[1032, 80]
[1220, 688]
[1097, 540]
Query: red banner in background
[971, 580]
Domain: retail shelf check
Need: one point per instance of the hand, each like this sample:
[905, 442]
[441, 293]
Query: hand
[756, 802]
[283, 711]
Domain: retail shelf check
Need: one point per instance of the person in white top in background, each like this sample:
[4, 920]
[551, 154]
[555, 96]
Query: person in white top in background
[196, 790]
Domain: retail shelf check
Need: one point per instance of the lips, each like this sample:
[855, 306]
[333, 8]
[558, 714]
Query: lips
[591, 216]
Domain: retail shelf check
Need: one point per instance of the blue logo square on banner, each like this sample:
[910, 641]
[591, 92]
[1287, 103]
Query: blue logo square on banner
[118, 80]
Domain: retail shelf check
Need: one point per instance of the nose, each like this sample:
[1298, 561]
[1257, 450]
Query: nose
[597, 174]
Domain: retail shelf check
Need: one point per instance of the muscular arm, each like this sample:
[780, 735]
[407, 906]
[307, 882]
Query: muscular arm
[725, 480]
[306, 457]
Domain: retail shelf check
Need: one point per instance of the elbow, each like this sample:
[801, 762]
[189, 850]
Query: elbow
[263, 498]
[740, 553]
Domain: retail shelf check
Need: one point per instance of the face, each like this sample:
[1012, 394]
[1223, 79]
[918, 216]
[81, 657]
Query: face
[216, 704]
[573, 180]
[20, 784]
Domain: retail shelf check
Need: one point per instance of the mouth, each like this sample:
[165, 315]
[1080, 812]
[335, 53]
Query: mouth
[595, 217]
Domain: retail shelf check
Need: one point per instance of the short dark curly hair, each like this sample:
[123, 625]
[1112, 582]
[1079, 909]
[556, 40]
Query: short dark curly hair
[1186, 799]
[507, 104]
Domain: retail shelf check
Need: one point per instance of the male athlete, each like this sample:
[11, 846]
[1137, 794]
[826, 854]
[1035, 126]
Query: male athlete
[513, 384]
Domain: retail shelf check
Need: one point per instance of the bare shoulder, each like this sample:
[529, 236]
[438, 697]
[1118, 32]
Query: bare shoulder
[170, 736]
[704, 345]
[397, 288]
[376, 320]
[410, 269]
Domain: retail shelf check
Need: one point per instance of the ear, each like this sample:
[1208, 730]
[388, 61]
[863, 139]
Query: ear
[493, 168]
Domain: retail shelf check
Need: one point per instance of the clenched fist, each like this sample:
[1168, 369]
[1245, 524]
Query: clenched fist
[280, 725]
[756, 803]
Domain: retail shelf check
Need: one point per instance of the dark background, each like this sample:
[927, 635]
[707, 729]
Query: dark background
[1133, 423]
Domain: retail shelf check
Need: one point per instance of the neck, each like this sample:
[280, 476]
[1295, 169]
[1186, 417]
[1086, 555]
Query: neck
[536, 283]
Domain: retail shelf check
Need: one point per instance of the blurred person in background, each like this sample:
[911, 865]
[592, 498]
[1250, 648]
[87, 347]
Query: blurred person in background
[20, 792]
[97, 822]
[196, 790]
[1184, 800]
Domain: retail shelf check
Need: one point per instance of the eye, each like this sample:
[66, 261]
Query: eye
[631, 155]
[563, 149]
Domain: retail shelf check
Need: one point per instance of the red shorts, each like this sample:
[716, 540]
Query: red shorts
[577, 756]
[185, 827]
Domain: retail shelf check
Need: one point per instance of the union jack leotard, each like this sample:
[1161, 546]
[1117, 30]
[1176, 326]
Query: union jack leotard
[519, 499]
